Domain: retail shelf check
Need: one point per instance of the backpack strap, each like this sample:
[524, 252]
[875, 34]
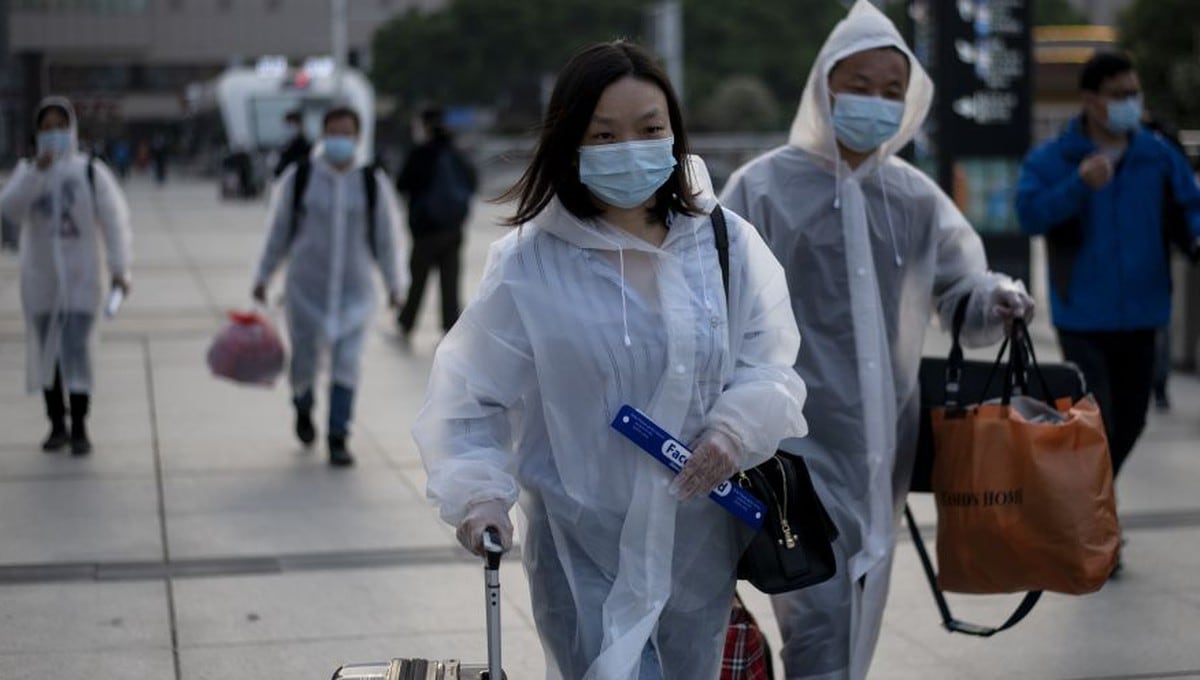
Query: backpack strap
[372, 190]
[91, 175]
[299, 187]
[721, 235]
[91, 180]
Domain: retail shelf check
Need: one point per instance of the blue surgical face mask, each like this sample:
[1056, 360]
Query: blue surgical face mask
[339, 149]
[56, 142]
[627, 174]
[864, 123]
[1124, 115]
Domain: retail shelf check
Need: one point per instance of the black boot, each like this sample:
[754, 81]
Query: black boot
[80, 445]
[339, 455]
[306, 432]
[56, 411]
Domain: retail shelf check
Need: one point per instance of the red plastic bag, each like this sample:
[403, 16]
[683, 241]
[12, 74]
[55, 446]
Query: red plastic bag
[248, 350]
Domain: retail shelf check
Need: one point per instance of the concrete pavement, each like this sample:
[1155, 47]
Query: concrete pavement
[200, 540]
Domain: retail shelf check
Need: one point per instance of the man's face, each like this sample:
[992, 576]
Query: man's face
[881, 72]
[1116, 88]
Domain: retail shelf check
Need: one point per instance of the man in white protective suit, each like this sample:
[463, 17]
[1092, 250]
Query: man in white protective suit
[346, 216]
[73, 215]
[870, 246]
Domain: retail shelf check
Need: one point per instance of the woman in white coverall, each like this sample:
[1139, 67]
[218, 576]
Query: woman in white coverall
[870, 245]
[68, 205]
[330, 294]
[609, 293]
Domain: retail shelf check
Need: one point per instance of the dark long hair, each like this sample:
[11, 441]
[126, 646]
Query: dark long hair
[554, 170]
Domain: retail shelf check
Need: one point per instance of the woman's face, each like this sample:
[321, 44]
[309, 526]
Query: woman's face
[53, 119]
[629, 110]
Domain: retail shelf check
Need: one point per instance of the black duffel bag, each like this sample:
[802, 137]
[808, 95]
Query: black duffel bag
[945, 381]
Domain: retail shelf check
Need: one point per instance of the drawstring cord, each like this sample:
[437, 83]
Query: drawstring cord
[624, 310]
[624, 306]
[887, 211]
[837, 182]
[700, 265]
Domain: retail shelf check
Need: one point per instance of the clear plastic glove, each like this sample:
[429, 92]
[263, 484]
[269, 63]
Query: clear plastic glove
[1009, 301]
[480, 516]
[714, 459]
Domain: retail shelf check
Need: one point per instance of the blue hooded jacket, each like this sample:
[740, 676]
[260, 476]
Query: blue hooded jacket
[1109, 269]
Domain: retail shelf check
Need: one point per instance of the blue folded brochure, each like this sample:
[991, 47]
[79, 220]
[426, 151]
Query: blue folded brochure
[638, 428]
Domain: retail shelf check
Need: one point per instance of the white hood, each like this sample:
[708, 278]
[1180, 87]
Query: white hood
[72, 124]
[864, 28]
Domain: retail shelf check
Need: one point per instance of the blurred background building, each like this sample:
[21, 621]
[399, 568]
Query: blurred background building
[127, 64]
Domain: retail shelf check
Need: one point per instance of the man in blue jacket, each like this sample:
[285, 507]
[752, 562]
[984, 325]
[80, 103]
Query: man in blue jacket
[1099, 193]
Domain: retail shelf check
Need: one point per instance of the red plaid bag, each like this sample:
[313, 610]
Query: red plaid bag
[747, 655]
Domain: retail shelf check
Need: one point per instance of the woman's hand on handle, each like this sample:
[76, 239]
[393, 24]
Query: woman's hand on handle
[491, 513]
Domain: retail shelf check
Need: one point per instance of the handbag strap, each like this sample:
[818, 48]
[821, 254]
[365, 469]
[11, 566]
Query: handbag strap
[721, 237]
[948, 621]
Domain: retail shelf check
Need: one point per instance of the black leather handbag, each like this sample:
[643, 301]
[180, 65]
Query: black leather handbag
[793, 549]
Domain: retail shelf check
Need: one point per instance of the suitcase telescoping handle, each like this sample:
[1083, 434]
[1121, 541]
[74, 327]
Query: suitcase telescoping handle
[491, 578]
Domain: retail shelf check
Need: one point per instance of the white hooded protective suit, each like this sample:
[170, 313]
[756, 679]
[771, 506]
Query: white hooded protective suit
[573, 319]
[330, 291]
[62, 281]
[869, 253]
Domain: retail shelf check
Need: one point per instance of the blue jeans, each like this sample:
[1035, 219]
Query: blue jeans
[650, 669]
[341, 407]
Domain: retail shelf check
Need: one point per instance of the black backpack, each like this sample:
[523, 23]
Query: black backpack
[300, 186]
[447, 199]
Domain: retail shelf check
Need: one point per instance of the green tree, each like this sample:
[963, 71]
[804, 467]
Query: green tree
[1056, 13]
[493, 53]
[739, 104]
[1164, 38]
[497, 54]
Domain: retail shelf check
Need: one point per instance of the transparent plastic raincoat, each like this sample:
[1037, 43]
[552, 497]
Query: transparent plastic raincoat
[67, 230]
[869, 253]
[330, 290]
[522, 392]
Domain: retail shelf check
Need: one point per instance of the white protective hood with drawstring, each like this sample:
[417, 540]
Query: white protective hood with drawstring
[573, 319]
[869, 254]
[67, 230]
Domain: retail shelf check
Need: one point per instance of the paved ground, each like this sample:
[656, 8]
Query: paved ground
[200, 541]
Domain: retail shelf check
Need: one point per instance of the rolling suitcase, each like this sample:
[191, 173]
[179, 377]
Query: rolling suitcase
[450, 669]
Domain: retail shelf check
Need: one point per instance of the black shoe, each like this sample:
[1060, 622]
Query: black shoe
[80, 444]
[339, 455]
[57, 439]
[1161, 403]
[306, 432]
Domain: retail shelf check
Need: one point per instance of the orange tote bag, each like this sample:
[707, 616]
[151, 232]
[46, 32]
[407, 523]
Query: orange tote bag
[1024, 491]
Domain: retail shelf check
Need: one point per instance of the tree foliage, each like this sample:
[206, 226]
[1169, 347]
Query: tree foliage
[1056, 13]
[1164, 38]
[497, 54]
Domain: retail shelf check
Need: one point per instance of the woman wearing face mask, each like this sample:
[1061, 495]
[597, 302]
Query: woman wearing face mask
[330, 239]
[68, 205]
[871, 246]
[609, 293]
